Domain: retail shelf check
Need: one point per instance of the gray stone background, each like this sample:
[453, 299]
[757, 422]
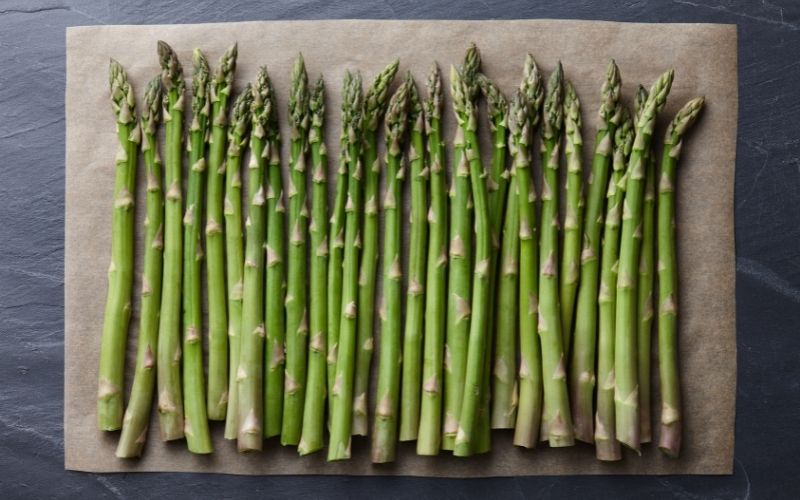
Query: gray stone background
[32, 79]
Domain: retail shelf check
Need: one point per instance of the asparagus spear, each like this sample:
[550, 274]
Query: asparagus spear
[645, 299]
[436, 273]
[222, 393]
[137, 414]
[250, 371]
[198, 438]
[296, 294]
[311, 439]
[459, 282]
[384, 436]
[120, 272]
[464, 89]
[626, 391]
[557, 421]
[336, 238]
[522, 119]
[170, 400]
[606, 445]
[573, 218]
[430, 427]
[275, 280]
[342, 391]
[670, 422]
[375, 101]
[497, 189]
[582, 361]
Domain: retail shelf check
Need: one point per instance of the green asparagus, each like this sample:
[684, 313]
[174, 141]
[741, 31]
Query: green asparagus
[137, 414]
[375, 100]
[626, 391]
[670, 420]
[170, 400]
[120, 272]
[522, 119]
[311, 439]
[296, 294]
[384, 435]
[198, 438]
[582, 361]
[342, 391]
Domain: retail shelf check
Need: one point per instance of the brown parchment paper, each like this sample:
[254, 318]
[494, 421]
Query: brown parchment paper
[704, 59]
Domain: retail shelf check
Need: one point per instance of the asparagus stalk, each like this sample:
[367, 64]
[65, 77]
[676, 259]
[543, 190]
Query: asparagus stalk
[670, 421]
[557, 421]
[582, 361]
[497, 189]
[222, 394]
[275, 281]
[250, 371]
[606, 445]
[436, 272]
[384, 436]
[342, 391]
[311, 439]
[645, 299]
[137, 414]
[375, 101]
[573, 217]
[522, 119]
[170, 400]
[296, 304]
[626, 391]
[120, 272]
[430, 426]
[459, 282]
[232, 212]
[336, 238]
[464, 89]
[198, 438]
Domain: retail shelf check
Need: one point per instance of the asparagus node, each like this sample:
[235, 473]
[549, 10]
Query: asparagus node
[582, 361]
[464, 90]
[384, 436]
[573, 217]
[198, 438]
[120, 272]
[607, 447]
[170, 398]
[336, 238]
[375, 101]
[557, 421]
[222, 397]
[342, 391]
[436, 265]
[459, 290]
[497, 189]
[670, 421]
[311, 439]
[296, 294]
[626, 391]
[250, 371]
[137, 414]
[275, 282]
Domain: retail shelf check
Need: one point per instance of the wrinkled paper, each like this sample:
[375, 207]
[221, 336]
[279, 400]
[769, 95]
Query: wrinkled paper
[705, 63]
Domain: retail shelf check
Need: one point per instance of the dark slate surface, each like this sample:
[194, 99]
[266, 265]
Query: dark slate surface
[32, 34]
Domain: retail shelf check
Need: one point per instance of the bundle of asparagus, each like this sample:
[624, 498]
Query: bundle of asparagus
[537, 322]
